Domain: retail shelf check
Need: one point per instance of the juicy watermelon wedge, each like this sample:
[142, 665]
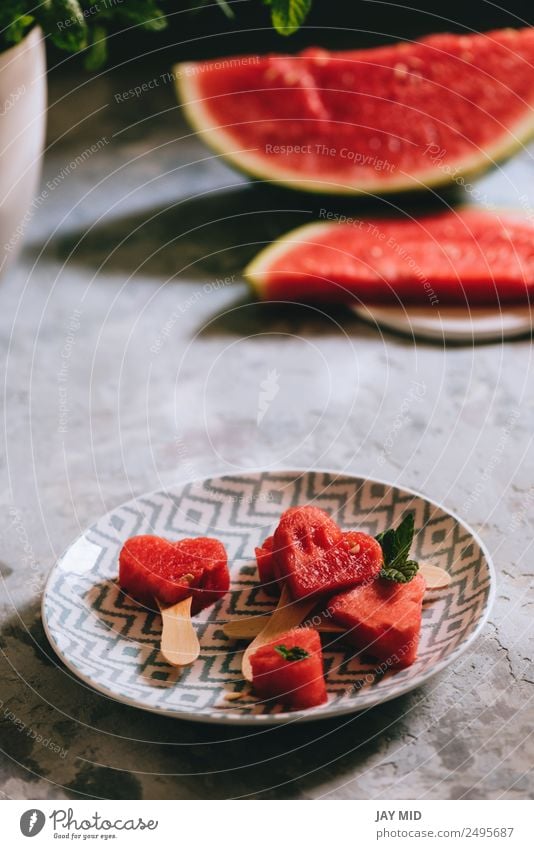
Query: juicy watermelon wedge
[468, 256]
[393, 118]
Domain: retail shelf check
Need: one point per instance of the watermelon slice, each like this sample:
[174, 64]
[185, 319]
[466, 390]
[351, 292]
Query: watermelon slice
[155, 569]
[290, 670]
[469, 256]
[397, 117]
[382, 618]
[316, 558]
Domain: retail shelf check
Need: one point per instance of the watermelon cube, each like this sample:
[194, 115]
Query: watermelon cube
[382, 618]
[290, 670]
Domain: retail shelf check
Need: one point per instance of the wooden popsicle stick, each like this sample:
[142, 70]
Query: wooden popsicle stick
[245, 627]
[286, 615]
[179, 641]
[248, 627]
[435, 577]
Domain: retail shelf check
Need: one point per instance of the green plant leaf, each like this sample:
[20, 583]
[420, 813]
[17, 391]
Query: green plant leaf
[396, 545]
[15, 20]
[145, 13]
[296, 653]
[64, 22]
[289, 15]
[17, 29]
[72, 25]
[98, 49]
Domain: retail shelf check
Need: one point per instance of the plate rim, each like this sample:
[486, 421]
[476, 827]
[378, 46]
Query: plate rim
[366, 313]
[285, 717]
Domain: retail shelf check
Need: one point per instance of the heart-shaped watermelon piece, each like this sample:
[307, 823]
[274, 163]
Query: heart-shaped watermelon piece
[153, 569]
[315, 557]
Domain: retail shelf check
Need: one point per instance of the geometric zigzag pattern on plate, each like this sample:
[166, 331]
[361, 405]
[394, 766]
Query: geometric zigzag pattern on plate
[113, 644]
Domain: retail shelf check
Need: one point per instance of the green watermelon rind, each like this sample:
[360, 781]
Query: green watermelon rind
[222, 143]
[254, 273]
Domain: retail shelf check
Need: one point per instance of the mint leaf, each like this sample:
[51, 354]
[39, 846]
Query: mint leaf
[396, 545]
[296, 653]
[288, 15]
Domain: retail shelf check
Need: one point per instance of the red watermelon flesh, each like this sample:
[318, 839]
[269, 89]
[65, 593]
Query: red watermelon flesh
[316, 558]
[382, 618]
[469, 256]
[154, 569]
[290, 670]
[264, 559]
[399, 116]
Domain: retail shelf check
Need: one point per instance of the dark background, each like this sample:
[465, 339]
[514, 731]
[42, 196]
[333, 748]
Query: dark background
[207, 32]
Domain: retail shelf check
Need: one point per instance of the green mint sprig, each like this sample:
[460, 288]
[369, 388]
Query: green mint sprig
[296, 653]
[396, 545]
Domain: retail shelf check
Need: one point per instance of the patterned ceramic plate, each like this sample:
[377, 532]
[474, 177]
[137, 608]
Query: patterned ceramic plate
[453, 324]
[112, 644]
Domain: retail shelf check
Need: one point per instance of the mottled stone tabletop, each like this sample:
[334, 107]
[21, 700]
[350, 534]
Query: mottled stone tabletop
[134, 359]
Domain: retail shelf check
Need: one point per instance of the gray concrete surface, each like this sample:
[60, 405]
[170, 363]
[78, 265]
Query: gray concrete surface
[129, 364]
